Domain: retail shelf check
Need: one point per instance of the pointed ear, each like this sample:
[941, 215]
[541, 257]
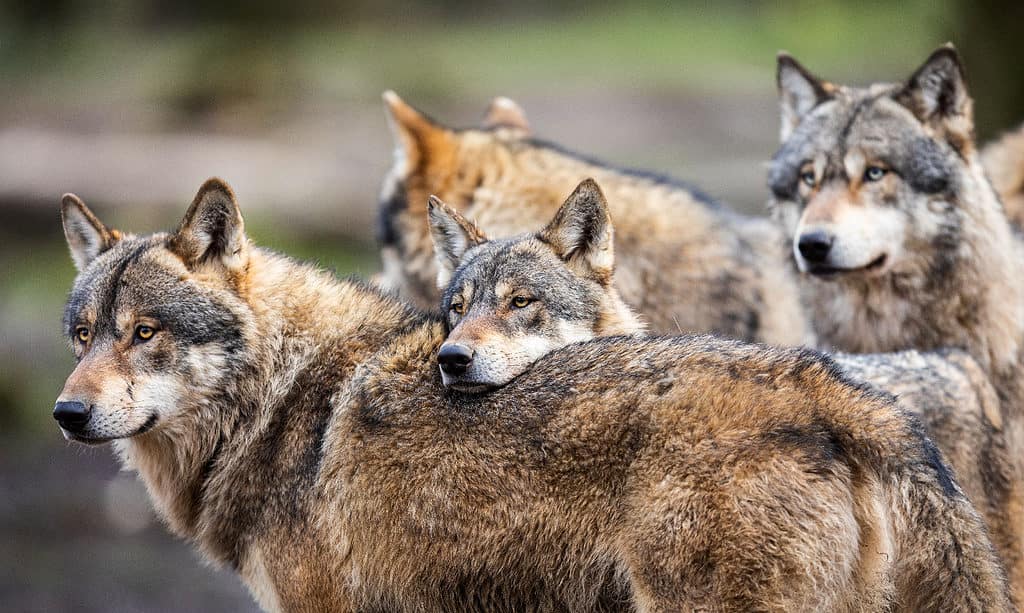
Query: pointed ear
[453, 236]
[799, 92]
[505, 113]
[86, 235]
[937, 92]
[581, 232]
[212, 230]
[416, 135]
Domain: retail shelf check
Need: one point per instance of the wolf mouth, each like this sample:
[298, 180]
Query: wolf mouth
[99, 440]
[830, 271]
[471, 387]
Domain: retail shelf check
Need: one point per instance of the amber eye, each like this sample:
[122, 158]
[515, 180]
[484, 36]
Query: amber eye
[807, 177]
[144, 333]
[874, 173]
[82, 333]
[520, 301]
[458, 308]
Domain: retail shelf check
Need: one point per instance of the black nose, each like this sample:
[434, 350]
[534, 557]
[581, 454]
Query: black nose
[71, 415]
[454, 359]
[814, 246]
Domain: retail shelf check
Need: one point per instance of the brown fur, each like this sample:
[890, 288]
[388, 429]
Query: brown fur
[334, 472]
[1004, 163]
[684, 262]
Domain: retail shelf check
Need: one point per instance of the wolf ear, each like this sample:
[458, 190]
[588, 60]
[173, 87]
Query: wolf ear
[581, 232]
[212, 229]
[453, 236]
[799, 92]
[937, 92]
[416, 136]
[505, 113]
[86, 235]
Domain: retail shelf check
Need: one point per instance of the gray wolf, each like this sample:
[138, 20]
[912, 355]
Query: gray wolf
[516, 299]
[295, 428]
[685, 262]
[901, 241]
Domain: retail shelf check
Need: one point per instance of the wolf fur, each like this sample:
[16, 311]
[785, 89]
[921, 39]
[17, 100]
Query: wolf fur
[1004, 163]
[918, 255]
[294, 427]
[686, 262]
[947, 390]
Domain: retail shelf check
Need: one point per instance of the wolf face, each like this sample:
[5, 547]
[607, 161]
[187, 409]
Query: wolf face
[154, 322]
[865, 177]
[889, 214]
[509, 302]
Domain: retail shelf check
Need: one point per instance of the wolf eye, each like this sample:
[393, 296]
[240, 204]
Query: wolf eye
[82, 334]
[808, 178]
[458, 308]
[874, 173]
[520, 302]
[144, 333]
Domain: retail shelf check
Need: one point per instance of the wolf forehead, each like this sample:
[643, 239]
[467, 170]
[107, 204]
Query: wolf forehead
[518, 264]
[872, 121]
[139, 276]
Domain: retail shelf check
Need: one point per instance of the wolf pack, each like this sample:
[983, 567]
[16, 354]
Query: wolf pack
[577, 387]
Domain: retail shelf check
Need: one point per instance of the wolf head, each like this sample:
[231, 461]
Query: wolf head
[431, 159]
[155, 322]
[508, 302]
[901, 238]
[865, 176]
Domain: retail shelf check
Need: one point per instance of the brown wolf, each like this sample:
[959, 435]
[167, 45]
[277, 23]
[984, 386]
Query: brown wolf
[902, 242]
[686, 263]
[492, 339]
[294, 427]
[1004, 163]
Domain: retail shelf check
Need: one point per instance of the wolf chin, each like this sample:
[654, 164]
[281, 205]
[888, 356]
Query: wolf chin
[295, 428]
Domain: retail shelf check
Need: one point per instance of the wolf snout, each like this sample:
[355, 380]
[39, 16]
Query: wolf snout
[815, 245]
[71, 414]
[454, 358]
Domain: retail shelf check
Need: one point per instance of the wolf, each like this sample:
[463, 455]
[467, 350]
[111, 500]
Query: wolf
[686, 262]
[517, 299]
[294, 427]
[901, 241]
[1004, 164]
[508, 302]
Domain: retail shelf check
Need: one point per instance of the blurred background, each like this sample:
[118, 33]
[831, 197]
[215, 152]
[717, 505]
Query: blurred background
[132, 104]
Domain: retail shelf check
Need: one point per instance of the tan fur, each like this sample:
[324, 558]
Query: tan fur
[685, 265]
[336, 473]
[1004, 164]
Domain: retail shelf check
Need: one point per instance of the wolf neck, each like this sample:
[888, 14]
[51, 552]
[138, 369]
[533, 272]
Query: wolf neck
[301, 320]
[975, 303]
